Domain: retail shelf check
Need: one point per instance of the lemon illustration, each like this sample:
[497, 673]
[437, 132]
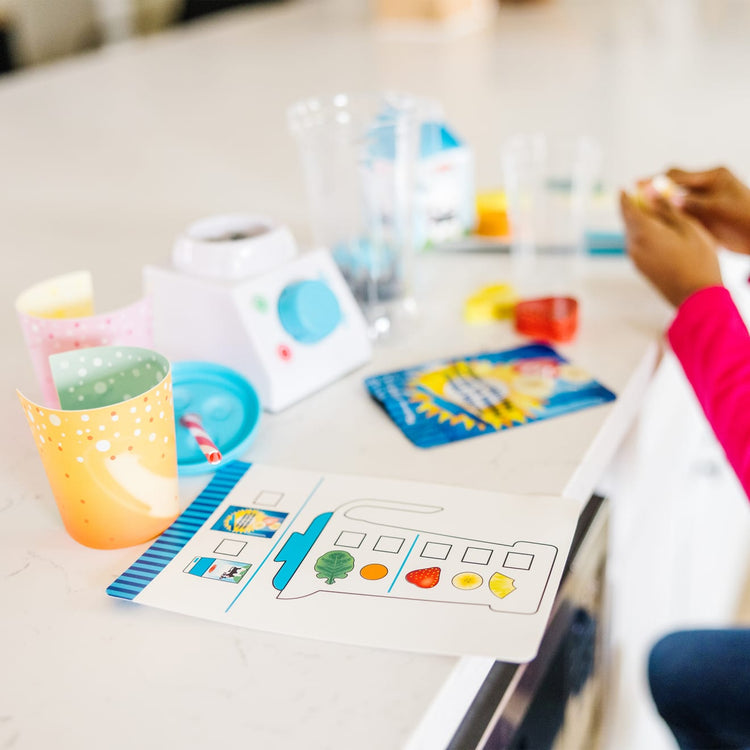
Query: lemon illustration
[501, 585]
[467, 580]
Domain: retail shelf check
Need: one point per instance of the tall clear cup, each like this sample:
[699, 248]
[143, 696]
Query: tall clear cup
[359, 157]
[549, 184]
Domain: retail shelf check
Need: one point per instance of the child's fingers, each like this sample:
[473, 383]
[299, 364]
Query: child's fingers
[686, 179]
[640, 228]
[695, 204]
[627, 207]
[631, 216]
[636, 205]
[632, 211]
[679, 219]
[638, 215]
[704, 207]
[704, 180]
[665, 210]
[682, 221]
[626, 203]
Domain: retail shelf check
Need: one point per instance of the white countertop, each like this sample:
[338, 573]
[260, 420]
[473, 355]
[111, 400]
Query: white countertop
[106, 157]
[82, 663]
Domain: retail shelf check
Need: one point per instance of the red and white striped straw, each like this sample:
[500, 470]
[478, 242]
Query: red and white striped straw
[193, 423]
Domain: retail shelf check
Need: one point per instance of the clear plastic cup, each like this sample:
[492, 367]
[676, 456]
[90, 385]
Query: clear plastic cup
[549, 184]
[359, 158]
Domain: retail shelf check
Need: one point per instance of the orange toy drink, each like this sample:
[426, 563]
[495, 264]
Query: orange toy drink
[109, 451]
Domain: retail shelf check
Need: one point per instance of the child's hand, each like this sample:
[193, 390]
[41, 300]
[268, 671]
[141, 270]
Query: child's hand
[719, 201]
[673, 251]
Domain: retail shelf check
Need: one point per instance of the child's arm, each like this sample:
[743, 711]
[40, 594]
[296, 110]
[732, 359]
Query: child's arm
[713, 345]
[708, 335]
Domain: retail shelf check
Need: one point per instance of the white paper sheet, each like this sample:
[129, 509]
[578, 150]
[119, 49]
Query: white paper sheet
[374, 562]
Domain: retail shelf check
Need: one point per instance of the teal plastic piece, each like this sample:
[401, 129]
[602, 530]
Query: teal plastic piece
[308, 310]
[228, 406]
[605, 243]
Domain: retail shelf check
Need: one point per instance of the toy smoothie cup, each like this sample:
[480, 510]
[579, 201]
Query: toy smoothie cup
[109, 450]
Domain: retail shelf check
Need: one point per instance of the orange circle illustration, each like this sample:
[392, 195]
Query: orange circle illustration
[373, 572]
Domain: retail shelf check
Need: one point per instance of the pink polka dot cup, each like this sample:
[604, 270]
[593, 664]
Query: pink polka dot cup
[58, 315]
[109, 450]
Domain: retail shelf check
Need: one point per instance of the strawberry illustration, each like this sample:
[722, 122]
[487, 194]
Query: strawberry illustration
[425, 578]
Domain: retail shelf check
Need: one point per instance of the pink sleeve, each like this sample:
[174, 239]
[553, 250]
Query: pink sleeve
[711, 341]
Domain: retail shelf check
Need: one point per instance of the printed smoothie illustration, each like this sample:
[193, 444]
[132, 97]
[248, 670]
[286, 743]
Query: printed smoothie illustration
[376, 547]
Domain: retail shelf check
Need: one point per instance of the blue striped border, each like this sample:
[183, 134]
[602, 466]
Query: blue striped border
[166, 547]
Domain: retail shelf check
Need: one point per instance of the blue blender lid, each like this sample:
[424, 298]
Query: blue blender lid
[228, 406]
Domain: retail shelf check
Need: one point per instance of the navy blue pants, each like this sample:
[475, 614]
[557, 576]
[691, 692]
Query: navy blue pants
[700, 682]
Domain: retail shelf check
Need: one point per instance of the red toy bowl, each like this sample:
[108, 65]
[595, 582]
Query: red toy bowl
[548, 318]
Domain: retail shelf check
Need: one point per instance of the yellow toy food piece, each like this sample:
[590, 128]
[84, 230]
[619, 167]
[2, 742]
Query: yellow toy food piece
[492, 214]
[467, 581]
[493, 302]
[501, 585]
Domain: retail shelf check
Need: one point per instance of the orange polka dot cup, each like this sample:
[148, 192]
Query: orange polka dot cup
[109, 451]
[57, 315]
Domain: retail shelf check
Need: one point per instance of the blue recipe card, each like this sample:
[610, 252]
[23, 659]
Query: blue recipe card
[452, 399]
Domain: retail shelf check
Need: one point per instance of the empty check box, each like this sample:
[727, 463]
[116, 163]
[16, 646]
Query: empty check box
[518, 561]
[477, 555]
[351, 539]
[436, 551]
[268, 499]
[231, 547]
[390, 544]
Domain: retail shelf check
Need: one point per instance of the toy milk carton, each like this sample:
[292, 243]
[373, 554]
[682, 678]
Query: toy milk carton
[442, 203]
[445, 209]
